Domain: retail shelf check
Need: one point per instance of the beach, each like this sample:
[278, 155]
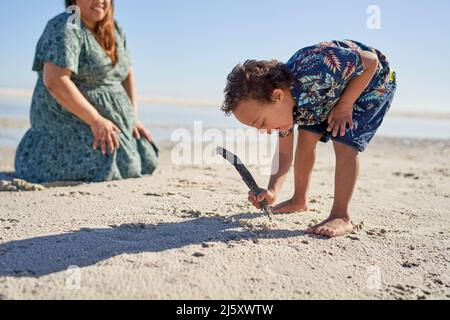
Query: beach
[194, 78]
[188, 232]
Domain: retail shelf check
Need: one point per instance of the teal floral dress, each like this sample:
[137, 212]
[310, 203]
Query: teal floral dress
[58, 147]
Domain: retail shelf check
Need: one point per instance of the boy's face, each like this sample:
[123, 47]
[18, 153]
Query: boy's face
[268, 116]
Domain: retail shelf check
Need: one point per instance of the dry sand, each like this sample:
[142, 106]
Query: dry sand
[188, 233]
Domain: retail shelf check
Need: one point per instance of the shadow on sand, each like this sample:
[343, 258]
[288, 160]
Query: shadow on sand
[45, 255]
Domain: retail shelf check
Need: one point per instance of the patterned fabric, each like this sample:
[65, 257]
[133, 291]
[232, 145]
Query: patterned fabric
[367, 121]
[58, 147]
[323, 71]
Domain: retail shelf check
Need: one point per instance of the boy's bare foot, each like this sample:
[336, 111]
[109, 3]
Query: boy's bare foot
[332, 227]
[291, 206]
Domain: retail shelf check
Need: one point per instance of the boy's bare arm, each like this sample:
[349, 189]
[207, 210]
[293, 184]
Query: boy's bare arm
[357, 85]
[341, 116]
[285, 157]
[284, 161]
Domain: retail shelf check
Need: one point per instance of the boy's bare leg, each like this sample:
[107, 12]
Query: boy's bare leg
[305, 156]
[347, 169]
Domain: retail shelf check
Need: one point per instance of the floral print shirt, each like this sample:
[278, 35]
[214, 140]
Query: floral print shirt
[322, 72]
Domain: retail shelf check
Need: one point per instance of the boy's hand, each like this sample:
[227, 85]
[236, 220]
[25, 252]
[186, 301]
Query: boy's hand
[340, 116]
[269, 196]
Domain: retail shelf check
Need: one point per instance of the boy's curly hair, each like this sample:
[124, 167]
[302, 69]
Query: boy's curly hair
[255, 80]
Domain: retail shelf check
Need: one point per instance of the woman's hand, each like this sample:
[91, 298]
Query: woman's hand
[269, 196]
[104, 132]
[339, 118]
[141, 131]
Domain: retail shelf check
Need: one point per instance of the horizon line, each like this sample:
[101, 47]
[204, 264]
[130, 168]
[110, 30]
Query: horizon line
[172, 101]
[204, 103]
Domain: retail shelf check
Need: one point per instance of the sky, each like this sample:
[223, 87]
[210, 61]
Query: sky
[185, 49]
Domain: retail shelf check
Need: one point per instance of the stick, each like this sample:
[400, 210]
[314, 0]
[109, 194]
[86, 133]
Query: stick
[246, 176]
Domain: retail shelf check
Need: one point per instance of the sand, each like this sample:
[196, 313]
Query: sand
[189, 233]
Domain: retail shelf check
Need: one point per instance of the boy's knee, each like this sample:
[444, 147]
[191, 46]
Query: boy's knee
[308, 140]
[342, 149]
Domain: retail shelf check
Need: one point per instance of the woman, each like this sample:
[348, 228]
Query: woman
[83, 112]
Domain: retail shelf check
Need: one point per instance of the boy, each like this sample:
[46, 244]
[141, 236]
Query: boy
[338, 90]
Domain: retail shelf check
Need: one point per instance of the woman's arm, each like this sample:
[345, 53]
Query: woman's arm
[58, 82]
[61, 87]
[342, 113]
[130, 87]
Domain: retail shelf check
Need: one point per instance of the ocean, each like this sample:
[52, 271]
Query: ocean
[164, 120]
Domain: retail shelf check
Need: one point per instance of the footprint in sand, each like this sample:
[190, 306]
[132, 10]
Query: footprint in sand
[377, 232]
[443, 171]
[74, 194]
[358, 226]
[313, 222]
[134, 227]
[151, 194]
[409, 264]
[401, 290]
[9, 224]
[406, 175]
[257, 226]
[191, 214]
[198, 254]
[185, 183]
[315, 201]
[207, 245]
